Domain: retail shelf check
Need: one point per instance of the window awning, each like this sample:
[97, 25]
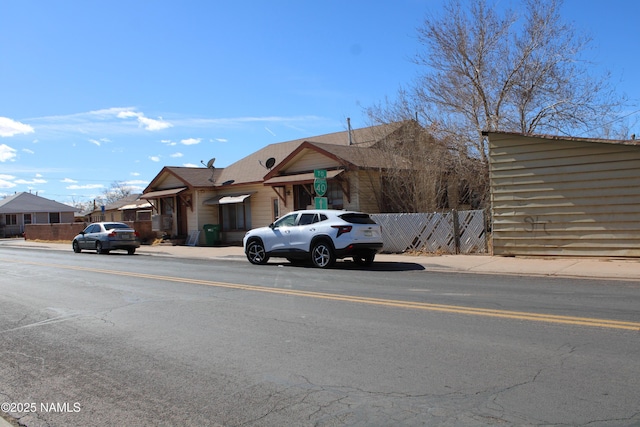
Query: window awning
[141, 206]
[300, 178]
[162, 193]
[227, 199]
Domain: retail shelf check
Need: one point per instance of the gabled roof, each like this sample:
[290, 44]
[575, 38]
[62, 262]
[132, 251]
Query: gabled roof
[249, 170]
[30, 203]
[353, 147]
[132, 201]
[189, 177]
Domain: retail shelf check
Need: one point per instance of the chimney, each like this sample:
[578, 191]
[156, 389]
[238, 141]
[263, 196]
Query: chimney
[349, 127]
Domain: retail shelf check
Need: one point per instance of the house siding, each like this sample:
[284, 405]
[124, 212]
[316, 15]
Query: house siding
[564, 197]
[363, 187]
[311, 160]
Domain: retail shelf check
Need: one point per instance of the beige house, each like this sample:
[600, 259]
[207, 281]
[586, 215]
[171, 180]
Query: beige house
[129, 208]
[263, 186]
[22, 209]
[564, 196]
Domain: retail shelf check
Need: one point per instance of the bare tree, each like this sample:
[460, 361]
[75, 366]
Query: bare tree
[491, 72]
[115, 192]
[417, 172]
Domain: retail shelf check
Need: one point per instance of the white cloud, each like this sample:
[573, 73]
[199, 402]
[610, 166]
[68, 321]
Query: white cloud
[135, 182]
[175, 155]
[135, 173]
[169, 142]
[220, 140]
[26, 150]
[10, 127]
[191, 141]
[100, 141]
[7, 153]
[68, 180]
[154, 158]
[31, 182]
[84, 187]
[5, 181]
[190, 165]
[6, 184]
[147, 123]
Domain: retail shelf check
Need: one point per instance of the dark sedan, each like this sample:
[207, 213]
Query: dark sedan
[106, 236]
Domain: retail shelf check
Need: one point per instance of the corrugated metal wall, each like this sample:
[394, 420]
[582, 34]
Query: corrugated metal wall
[573, 197]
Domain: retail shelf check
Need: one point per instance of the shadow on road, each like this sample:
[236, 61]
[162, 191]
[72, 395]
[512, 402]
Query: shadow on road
[352, 266]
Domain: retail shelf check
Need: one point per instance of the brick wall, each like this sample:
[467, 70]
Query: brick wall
[66, 232]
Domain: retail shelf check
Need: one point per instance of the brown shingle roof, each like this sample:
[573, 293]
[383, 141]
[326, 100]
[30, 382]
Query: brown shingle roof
[250, 170]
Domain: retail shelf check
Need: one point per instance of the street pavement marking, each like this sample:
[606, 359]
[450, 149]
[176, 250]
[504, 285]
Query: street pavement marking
[505, 314]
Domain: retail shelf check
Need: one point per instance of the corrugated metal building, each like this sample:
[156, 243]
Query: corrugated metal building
[564, 196]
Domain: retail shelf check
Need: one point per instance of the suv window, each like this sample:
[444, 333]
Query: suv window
[307, 218]
[286, 221]
[357, 218]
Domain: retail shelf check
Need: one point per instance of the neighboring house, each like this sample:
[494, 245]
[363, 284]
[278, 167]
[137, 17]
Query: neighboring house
[129, 208]
[555, 195]
[25, 208]
[275, 180]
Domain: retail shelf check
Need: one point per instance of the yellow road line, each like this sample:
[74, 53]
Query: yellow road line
[505, 314]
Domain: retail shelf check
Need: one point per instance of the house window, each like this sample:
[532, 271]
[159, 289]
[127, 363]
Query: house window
[334, 195]
[275, 202]
[27, 219]
[54, 217]
[235, 216]
[143, 216]
[11, 219]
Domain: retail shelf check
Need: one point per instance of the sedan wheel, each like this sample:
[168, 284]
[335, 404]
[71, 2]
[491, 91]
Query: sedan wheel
[322, 255]
[76, 247]
[256, 253]
[99, 248]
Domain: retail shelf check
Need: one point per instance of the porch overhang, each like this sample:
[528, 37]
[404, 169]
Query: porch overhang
[300, 178]
[162, 193]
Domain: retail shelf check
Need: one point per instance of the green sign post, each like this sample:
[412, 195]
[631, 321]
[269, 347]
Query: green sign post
[320, 173]
[321, 202]
[320, 187]
[320, 182]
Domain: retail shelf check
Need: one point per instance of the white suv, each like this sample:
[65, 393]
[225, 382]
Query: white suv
[321, 236]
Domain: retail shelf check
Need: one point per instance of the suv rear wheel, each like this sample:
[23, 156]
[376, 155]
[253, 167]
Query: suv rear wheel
[364, 259]
[256, 253]
[322, 255]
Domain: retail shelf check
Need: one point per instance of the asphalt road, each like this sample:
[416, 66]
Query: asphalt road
[102, 340]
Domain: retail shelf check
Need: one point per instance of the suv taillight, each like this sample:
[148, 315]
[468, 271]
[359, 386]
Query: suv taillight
[342, 229]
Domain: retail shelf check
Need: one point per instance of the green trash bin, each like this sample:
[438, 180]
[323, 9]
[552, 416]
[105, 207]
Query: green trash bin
[212, 234]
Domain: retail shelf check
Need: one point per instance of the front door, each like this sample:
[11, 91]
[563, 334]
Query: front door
[301, 197]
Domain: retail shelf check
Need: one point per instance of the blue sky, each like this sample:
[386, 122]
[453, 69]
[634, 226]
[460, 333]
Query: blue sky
[93, 92]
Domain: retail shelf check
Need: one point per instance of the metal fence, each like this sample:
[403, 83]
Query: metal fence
[452, 232]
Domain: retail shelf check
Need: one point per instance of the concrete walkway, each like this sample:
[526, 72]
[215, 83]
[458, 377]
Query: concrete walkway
[592, 268]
